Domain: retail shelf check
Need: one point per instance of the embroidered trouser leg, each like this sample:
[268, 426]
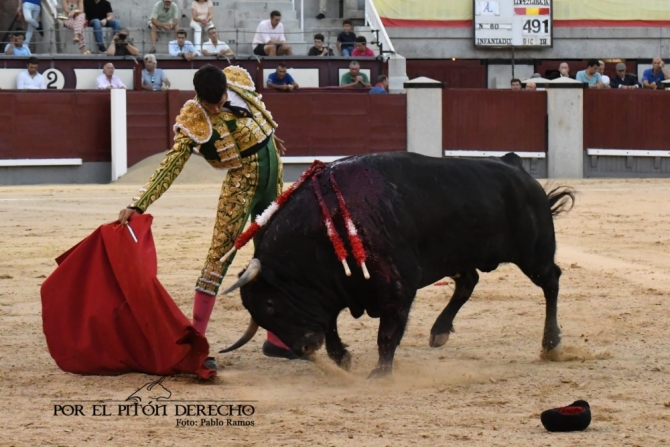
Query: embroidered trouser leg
[245, 192]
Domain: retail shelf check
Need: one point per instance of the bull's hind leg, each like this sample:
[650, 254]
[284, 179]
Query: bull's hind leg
[548, 280]
[465, 284]
[336, 350]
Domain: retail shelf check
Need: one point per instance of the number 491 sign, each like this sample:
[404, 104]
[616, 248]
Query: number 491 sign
[513, 23]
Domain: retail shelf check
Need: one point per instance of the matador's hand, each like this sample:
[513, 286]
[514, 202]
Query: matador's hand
[125, 215]
[280, 145]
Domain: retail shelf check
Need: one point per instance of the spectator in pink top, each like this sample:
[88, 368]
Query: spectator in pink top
[362, 49]
[108, 80]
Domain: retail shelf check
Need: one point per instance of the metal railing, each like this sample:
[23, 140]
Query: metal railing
[373, 20]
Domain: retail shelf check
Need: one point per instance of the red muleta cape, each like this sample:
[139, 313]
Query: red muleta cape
[105, 312]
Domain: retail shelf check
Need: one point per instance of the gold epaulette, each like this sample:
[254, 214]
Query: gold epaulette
[254, 101]
[194, 122]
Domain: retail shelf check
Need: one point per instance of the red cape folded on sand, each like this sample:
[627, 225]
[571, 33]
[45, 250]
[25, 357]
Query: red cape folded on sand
[105, 312]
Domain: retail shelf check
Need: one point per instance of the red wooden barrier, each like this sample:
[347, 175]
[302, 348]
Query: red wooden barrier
[494, 120]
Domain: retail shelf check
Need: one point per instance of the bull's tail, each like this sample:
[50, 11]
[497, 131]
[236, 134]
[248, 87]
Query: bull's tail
[561, 199]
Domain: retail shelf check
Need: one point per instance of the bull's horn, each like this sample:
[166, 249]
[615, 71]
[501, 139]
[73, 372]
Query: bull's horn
[248, 335]
[249, 274]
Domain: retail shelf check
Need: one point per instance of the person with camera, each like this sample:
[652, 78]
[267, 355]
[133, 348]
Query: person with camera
[153, 79]
[121, 45]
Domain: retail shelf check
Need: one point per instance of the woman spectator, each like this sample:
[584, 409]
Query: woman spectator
[201, 18]
[76, 21]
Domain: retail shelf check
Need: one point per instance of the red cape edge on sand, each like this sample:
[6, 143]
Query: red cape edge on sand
[104, 312]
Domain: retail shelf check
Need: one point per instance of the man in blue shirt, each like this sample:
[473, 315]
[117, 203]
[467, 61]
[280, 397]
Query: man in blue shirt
[381, 87]
[652, 77]
[280, 80]
[182, 47]
[16, 47]
[590, 75]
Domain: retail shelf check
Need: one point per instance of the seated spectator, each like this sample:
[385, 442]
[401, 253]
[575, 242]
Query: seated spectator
[121, 45]
[214, 47]
[201, 19]
[515, 84]
[564, 70]
[182, 47]
[381, 87]
[269, 39]
[153, 78]
[280, 80]
[346, 39]
[591, 76]
[31, 11]
[76, 21]
[652, 77]
[318, 49]
[322, 10]
[16, 47]
[164, 18]
[601, 71]
[354, 78]
[624, 80]
[31, 79]
[108, 80]
[362, 49]
[531, 86]
[99, 14]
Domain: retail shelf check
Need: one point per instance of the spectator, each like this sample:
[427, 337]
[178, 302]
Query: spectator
[16, 47]
[108, 80]
[280, 80]
[164, 17]
[182, 47]
[564, 70]
[531, 87]
[601, 71]
[121, 45]
[322, 10]
[591, 76]
[318, 49]
[354, 78]
[652, 77]
[362, 49]
[76, 21]
[515, 84]
[269, 39]
[30, 10]
[624, 80]
[99, 14]
[153, 78]
[346, 39]
[381, 87]
[215, 48]
[31, 79]
[201, 18]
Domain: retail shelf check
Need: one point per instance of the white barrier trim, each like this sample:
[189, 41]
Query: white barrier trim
[42, 162]
[119, 133]
[493, 154]
[628, 153]
[308, 160]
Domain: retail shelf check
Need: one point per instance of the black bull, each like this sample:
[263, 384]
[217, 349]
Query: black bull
[421, 219]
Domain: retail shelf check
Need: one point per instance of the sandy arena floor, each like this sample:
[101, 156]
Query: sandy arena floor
[486, 387]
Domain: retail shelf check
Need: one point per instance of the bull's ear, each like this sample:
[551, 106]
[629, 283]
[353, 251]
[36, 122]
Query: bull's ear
[252, 271]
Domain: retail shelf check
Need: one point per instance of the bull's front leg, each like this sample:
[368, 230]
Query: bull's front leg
[335, 348]
[392, 323]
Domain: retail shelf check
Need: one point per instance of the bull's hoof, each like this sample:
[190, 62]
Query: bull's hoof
[380, 373]
[437, 340]
[345, 362]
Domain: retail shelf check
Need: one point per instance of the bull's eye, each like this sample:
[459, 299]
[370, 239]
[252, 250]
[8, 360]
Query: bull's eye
[270, 306]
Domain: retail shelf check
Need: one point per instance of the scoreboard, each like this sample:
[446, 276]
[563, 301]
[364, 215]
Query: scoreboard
[513, 23]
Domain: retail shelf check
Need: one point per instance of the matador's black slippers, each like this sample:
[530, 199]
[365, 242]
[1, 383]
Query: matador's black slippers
[574, 417]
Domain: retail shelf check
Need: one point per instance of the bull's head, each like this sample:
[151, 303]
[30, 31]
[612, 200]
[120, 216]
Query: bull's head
[299, 325]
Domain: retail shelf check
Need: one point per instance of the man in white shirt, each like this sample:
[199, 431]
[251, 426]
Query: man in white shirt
[30, 79]
[269, 39]
[182, 47]
[601, 70]
[214, 47]
[108, 80]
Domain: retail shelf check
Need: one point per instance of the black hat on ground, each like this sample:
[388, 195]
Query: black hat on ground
[574, 417]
